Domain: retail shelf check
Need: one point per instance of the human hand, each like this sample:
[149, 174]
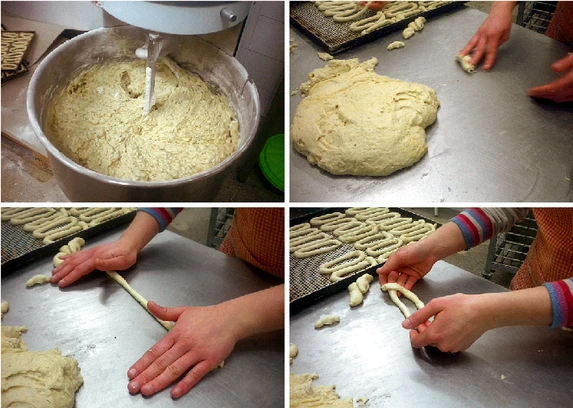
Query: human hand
[407, 265]
[490, 35]
[202, 338]
[114, 256]
[560, 90]
[458, 322]
[374, 5]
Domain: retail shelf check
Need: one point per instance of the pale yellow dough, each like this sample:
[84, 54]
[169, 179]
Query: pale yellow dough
[354, 121]
[303, 394]
[97, 121]
[39, 379]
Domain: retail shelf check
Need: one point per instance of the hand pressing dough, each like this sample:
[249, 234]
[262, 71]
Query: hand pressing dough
[466, 64]
[327, 320]
[303, 394]
[37, 280]
[354, 121]
[393, 288]
[140, 299]
[73, 246]
[39, 379]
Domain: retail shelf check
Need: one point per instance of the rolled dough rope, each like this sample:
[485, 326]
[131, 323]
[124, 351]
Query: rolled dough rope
[327, 321]
[31, 226]
[348, 259]
[323, 219]
[37, 280]
[303, 232]
[405, 229]
[348, 228]
[301, 242]
[94, 213]
[62, 223]
[73, 246]
[401, 10]
[340, 273]
[140, 299]
[376, 218]
[465, 63]
[77, 211]
[355, 235]
[317, 248]
[332, 225]
[382, 247]
[108, 216]
[418, 235]
[8, 213]
[371, 240]
[392, 223]
[60, 233]
[31, 215]
[356, 210]
[299, 227]
[371, 213]
[363, 282]
[384, 257]
[309, 233]
[407, 293]
[355, 294]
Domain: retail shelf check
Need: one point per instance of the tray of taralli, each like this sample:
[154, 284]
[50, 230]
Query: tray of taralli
[332, 248]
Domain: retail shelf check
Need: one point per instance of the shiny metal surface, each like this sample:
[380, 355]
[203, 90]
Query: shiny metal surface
[491, 142]
[369, 354]
[98, 323]
[214, 66]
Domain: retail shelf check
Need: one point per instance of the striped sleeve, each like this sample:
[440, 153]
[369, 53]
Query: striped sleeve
[480, 224]
[561, 293]
[163, 216]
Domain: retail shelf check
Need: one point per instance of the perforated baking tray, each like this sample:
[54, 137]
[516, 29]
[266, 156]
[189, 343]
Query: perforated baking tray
[336, 37]
[307, 284]
[19, 247]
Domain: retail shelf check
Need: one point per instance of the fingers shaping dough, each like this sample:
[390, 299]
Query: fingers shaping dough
[327, 320]
[73, 246]
[466, 63]
[37, 280]
[140, 299]
[393, 288]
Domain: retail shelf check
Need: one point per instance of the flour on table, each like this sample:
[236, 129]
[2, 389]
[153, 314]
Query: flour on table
[303, 394]
[354, 121]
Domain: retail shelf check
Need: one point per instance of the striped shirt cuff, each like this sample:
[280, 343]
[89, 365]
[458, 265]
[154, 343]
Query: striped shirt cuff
[561, 294]
[163, 216]
[475, 225]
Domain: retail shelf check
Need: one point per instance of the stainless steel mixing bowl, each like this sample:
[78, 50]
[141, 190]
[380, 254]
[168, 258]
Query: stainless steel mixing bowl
[214, 66]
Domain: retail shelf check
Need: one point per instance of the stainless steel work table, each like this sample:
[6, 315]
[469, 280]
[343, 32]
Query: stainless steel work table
[98, 323]
[369, 354]
[491, 142]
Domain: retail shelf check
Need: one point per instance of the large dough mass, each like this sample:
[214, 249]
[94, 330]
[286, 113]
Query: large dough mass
[354, 121]
[97, 121]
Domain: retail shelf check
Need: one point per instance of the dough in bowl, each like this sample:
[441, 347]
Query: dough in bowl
[97, 121]
[354, 121]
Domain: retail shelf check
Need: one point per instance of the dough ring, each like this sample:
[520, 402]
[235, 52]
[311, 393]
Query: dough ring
[332, 225]
[40, 222]
[62, 223]
[30, 215]
[418, 235]
[348, 228]
[371, 212]
[108, 216]
[392, 223]
[369, 24]
[371, 240]
[356, 210]
[416, 226]
[317, 248]
[93, 213]
[326, 218]
[303, 232]
[8, 213]
[338, 275]
[355, 235]
[382, 247]
[401, 9]
[392, 289]
[301, 242]
[299, 227]
[352, 258]
[376, 218]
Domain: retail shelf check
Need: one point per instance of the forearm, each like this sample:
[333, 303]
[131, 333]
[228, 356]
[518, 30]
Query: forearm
[527, 307]
[141, 230]
[445, 241]
[257, 312]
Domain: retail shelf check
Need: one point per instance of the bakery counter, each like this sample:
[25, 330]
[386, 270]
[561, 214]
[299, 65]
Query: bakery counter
[106, 330]
[368, 354]
[490, 142]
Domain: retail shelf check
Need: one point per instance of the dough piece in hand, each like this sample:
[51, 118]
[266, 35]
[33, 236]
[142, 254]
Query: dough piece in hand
[293, 352]
[36, 378]
[5, 307]
[327, 320]
[355, 294]
[466, 64]
[393, 288]
[73, 246]
[354, 121]
[395, 45]
[37, 280]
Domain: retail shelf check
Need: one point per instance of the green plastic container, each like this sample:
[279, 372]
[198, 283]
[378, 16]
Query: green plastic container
[272, 161]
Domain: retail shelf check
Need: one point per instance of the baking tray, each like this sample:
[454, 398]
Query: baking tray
[336, 37]
[19, 247]
[306, 284]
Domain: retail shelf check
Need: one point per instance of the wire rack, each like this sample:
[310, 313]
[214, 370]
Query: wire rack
[535, 15]
[508, 251]
[219, 225]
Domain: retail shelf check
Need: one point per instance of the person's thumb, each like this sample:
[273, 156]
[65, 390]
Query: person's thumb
[170, 314]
